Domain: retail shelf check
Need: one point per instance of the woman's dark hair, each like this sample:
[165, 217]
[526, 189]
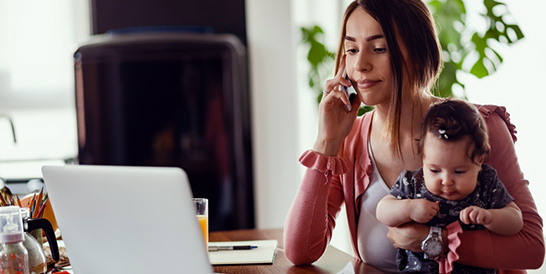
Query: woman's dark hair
[410, 23]
[453, 119]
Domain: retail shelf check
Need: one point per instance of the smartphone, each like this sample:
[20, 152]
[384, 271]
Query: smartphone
[350, 92]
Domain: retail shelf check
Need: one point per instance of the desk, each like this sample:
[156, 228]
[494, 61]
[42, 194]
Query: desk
[332, 261]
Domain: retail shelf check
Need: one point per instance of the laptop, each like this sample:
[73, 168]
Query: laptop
[119, 219]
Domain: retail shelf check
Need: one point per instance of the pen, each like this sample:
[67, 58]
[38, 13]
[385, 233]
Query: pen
[231, 247]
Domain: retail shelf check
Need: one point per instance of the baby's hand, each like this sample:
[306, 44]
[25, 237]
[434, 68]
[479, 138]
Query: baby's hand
[475, 215]
[423, 210]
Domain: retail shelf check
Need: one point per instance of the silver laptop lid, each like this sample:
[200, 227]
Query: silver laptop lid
[117, 219]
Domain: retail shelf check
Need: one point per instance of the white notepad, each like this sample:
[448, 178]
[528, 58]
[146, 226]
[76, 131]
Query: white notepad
[264, 254]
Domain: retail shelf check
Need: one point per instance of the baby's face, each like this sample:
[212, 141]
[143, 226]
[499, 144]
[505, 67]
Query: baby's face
[448, 170]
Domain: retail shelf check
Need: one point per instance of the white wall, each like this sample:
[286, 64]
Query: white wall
[519, 85]
[36, 82]
[271, 47]
[284, 109]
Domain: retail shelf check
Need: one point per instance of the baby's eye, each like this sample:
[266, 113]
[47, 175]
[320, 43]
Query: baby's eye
[434, 170]
[460, 171]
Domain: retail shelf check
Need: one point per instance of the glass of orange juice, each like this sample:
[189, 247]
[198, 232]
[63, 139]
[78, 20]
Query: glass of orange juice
[202, 212]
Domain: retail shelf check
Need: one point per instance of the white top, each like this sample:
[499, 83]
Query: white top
[373, 245]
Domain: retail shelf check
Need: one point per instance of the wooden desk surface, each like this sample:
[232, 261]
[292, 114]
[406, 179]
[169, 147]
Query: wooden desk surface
[333, 260]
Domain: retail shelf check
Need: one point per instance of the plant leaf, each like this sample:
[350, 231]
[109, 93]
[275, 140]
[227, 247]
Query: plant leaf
[479, 70]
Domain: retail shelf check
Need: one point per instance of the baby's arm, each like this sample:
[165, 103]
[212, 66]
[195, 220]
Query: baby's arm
[503, 221]
[394, 212]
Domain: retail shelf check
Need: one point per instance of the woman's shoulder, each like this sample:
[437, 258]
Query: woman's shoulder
[497, 118]
[488, 110]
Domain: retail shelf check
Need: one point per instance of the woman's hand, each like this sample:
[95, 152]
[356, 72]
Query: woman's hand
[408, 236]
[335, 122]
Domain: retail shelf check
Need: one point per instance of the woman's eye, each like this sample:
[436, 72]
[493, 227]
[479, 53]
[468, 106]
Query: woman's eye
[380, 50]
[351, 51]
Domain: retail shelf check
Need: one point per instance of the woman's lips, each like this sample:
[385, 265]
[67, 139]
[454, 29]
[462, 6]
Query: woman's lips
[364, 84]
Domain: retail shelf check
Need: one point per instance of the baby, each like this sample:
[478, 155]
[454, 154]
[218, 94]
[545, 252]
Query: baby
[454, 184]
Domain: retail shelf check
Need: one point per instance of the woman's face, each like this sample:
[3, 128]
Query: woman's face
[447, 168]
[367, 58]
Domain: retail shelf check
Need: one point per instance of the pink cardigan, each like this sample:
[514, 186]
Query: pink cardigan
[331, 181]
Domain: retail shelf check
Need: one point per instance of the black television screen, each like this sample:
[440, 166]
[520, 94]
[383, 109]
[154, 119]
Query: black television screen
[171, 99]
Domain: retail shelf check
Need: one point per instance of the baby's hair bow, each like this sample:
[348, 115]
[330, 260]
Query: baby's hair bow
[442, 134]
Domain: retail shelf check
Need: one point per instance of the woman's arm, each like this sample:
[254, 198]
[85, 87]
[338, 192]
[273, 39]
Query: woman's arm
[311, 219]
[525, 250]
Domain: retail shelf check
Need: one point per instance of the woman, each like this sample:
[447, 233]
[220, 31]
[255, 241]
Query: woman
[391, 54]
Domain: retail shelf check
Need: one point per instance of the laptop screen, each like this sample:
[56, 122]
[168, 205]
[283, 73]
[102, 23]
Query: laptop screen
[119, 219]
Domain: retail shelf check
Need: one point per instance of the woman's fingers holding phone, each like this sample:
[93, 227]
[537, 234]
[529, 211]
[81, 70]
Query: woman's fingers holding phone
[342, 75]
[335, 88]
[339, 78]
[335, 122]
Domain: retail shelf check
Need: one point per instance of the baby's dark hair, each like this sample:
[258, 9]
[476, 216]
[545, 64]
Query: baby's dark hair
[451, 120]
